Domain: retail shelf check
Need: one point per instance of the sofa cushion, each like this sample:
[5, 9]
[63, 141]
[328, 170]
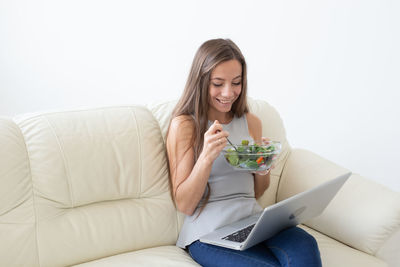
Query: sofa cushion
[334, 253]
[99, 183]
[355, 202]
[363, 214]
[159, 256]
[17, 219]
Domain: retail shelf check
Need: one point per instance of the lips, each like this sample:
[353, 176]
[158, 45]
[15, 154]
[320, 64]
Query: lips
[224, 101]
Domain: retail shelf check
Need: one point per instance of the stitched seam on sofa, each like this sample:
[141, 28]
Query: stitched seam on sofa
[140, 150]
[166, 156]
[389, 236]
[158, 123]
[20, 203]
[169, 180]
[65, 163]
[33, 195]
[34, 115]
[384, 244]
[161, 196]
[280, 177]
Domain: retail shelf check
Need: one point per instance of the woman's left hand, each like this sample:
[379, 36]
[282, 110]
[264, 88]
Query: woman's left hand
[265, 141]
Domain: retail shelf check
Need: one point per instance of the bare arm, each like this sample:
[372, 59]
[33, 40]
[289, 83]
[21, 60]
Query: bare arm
[189, 178]
[261, 181]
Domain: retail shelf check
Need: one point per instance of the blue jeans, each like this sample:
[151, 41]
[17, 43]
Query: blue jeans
[292, 247]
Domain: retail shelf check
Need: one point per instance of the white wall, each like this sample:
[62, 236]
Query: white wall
[331, 68]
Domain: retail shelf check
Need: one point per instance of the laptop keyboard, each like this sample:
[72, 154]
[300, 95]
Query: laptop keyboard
[240, 235]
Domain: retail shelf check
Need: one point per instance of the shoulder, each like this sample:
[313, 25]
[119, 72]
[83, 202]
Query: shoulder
[255, 125]
[182, 122]
[181, 127]
[253, 121]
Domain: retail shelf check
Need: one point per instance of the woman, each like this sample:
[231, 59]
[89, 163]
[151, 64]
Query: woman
[204, 187]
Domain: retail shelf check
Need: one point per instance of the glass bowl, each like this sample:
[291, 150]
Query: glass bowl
[252, 157]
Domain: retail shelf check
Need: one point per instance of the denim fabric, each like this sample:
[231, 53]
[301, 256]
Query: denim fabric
[292, 247]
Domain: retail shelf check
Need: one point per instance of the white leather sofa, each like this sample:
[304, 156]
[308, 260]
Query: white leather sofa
[90, 188]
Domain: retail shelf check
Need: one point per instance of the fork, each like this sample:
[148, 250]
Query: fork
[232, 144]
[229, 142]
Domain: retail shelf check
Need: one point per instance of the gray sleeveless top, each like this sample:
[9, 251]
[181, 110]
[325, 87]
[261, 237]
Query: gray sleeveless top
[232, 193]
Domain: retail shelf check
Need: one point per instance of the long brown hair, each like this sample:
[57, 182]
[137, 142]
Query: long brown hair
[194, 100]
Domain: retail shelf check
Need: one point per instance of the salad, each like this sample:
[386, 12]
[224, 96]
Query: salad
[252, 157]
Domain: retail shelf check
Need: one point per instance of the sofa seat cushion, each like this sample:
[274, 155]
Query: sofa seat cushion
[335, 253]
[158, 256]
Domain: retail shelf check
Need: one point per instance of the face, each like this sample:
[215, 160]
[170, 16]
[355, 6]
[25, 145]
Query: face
[225, 87]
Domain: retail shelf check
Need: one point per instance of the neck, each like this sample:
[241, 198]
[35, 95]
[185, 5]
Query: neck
[223, 118]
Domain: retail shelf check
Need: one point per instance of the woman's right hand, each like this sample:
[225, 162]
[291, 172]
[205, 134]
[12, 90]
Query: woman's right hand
[214, 141]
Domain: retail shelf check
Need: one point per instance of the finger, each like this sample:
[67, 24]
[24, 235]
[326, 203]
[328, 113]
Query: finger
[266, 140]
[220, 142]
[215, 127]
[218, 135]
[223, 134]
[265, 172]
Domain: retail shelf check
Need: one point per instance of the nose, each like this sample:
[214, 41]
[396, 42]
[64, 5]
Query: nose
[227, 91]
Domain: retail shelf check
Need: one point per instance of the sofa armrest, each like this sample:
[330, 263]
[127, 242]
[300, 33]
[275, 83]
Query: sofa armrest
[364, 214]
[390, 250]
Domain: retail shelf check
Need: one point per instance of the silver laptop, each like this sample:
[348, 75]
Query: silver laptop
[292, 211]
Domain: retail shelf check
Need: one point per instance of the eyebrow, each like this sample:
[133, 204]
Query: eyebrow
[217, 78]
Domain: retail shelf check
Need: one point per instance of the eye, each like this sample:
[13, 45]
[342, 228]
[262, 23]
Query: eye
[237, 83]
[217, 84]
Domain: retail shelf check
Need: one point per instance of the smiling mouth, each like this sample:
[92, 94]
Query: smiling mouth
[224, 101]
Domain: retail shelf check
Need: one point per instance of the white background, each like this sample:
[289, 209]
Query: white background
[331, 68]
